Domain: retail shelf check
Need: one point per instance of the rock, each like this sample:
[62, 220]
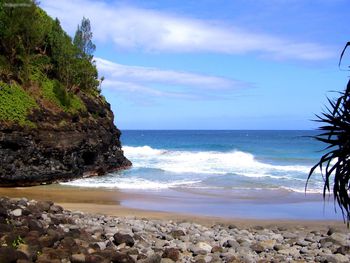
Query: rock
[292, 251]
[121, 258]
[201, 248]
[56, 209]
[231, 243]
[177, 233]
[337, 258]
[9, 255]
[302, 243]
[345, 250]
[325, 242]
[257, 248]
[123, 238]
[340, 238]
[258, 228]
[216, 249]
[35, 225]
[47, 241]
[3, 211]
[95, 259]
[44, 205]
[155, 258]
[17, 212]
[172, 253]
[331, 230]
[5, 228]
[267, 244]
[101, 245]
[25, 249]
[62, 145]
[289, 235]
[77, 258]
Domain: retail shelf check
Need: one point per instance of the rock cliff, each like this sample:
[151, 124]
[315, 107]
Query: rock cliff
[61, 146]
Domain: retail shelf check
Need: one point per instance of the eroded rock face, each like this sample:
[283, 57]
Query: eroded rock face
[62, 146]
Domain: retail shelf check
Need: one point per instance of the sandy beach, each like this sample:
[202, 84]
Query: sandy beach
[110, 202]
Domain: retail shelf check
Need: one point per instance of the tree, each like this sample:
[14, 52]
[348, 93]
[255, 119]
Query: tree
[83, 39]
[86, 75]
[336, 162]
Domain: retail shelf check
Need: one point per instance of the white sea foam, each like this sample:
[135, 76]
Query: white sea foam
[131, 183]
[207, 162]
[302, 190]
[202, 170]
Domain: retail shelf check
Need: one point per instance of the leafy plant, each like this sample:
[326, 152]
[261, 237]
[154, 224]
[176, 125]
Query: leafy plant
[17, 241]
[335, 164]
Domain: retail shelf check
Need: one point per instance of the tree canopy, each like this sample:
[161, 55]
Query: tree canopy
[32, 44]
[41, 67]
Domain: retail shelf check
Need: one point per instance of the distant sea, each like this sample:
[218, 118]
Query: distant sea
[211, 163]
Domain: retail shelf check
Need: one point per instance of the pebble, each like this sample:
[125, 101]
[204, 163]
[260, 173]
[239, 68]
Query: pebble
[17, 212]
[44, 232]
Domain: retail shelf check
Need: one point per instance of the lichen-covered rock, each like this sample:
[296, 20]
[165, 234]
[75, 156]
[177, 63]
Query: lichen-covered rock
[62, 146]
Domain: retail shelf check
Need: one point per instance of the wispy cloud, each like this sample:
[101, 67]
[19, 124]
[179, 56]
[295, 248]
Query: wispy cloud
[154, 31]
[149, 81]
[170, 77]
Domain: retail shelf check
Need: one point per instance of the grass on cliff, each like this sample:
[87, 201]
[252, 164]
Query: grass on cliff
[57, 94]
[53, 91]
[15, 104]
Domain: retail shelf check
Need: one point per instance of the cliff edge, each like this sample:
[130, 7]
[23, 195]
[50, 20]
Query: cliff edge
[61, 147]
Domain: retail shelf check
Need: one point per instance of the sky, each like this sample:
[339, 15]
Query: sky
[215, 64]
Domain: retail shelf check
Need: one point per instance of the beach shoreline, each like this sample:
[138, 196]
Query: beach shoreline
[111, 203]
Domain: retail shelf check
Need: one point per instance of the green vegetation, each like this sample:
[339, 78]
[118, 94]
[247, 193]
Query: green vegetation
[17, 241]
[57, 94]
[35, 51]
[15, 103]
[335, 164]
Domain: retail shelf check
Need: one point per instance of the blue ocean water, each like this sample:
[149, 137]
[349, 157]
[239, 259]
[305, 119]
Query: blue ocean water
[230, 160]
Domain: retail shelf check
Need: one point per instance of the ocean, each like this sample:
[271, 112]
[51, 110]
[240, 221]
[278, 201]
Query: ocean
[217, 167]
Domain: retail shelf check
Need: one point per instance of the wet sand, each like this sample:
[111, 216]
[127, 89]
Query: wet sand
[115, 203]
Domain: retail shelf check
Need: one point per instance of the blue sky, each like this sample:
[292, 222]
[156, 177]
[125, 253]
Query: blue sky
[214, 64]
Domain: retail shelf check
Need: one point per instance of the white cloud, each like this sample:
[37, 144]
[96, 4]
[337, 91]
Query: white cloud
[154, 31]
[170, 77]
[148, 81]
[131, 89]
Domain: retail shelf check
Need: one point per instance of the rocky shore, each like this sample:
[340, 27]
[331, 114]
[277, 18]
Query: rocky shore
[40, 231]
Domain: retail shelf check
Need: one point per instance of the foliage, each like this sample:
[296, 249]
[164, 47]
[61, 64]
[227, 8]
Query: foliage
[23, 28]
[17, 241]
[57, 94]
[30, 40]
[83, 39]
[15, 104]
[35, 51]
[335, 164]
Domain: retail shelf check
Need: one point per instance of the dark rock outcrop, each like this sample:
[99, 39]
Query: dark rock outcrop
[62, 146]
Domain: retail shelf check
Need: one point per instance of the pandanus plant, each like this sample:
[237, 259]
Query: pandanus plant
[335, 163]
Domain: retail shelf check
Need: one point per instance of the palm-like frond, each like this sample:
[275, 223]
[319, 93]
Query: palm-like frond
[335, 164]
